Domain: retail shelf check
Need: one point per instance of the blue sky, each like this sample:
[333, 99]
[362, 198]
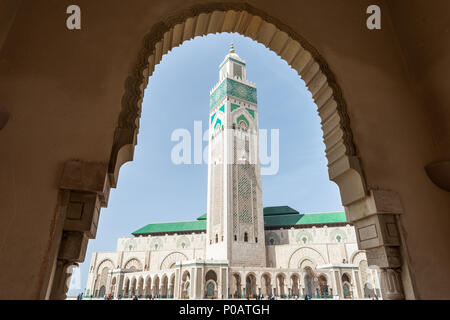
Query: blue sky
[153, 189]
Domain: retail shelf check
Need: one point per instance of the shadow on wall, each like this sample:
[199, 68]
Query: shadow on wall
[4, 117]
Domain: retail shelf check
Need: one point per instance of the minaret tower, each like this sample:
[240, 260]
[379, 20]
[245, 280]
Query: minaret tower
[235, 223]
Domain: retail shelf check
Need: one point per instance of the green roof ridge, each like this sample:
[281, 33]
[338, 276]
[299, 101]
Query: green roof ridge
[272, 219]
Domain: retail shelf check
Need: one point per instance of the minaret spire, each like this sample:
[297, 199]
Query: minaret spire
[232, 48]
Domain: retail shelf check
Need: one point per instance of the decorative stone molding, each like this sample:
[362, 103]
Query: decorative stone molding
[86, 177]
[84, 189]
[60, 285]
[305, 253]
[377, 231]
[82, 212]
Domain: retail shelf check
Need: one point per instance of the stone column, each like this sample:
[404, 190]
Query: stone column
[177, 291]
[61, 281]
[84, 189]
[357, 284]
[376, 223]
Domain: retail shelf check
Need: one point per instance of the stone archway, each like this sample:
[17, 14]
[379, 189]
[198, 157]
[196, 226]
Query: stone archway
[346, 286]
[250, 285]
[365, 208]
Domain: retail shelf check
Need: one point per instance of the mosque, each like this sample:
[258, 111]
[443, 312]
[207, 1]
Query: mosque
[238, 249]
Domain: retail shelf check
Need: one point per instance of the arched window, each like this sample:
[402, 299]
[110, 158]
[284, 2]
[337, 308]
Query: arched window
[235, 237]
[246, 237]
[217, 238]
[256, 239]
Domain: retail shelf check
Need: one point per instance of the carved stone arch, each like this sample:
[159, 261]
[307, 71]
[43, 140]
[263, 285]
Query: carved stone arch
[130, 245]
[357, 256]
[344, 165]
[133, 263]
[338, 233]
[300, 254]
[307, 262]
[242, 114]
[105, 263]
[184, 240]
[304, 234]
[172, 258]
[272, 236]
[156, 244]
[292, 276]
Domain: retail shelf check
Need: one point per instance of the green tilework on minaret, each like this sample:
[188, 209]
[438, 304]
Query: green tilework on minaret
[235, 89]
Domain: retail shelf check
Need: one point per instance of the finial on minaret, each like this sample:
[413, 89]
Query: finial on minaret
[232, 48]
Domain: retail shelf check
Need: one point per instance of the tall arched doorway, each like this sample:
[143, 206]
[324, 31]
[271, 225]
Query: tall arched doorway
[250, 285]
[323, 286]
[346, 286]
[211, 285]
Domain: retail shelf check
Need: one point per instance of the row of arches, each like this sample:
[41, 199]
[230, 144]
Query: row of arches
[308, 282]
[149, 287]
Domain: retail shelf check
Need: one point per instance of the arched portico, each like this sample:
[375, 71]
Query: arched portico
[211, 284]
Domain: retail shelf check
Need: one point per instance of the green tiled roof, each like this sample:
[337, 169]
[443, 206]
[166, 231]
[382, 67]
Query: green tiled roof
[304, 219]
[283, 216]
[197, 225]
[282, 210]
